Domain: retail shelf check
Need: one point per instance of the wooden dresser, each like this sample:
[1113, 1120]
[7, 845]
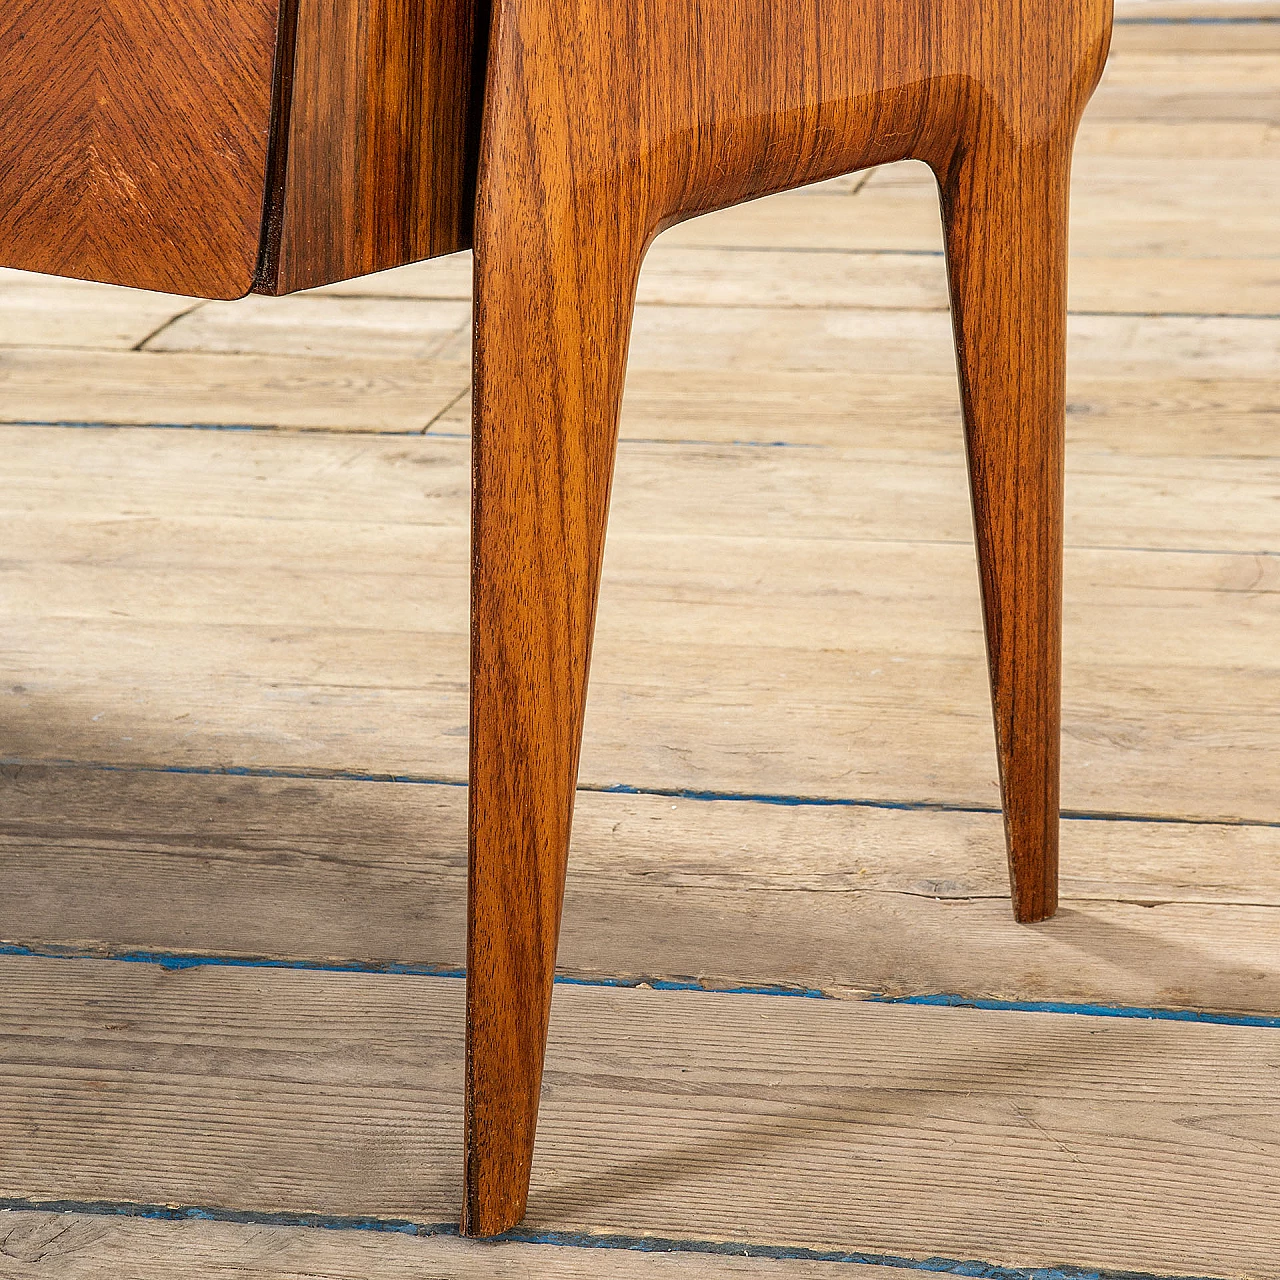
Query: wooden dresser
[212, 147]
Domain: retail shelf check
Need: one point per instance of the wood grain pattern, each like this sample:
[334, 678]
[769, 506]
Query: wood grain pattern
[668, 890]
[1156, 415]
[1096, 1142]
[720, 105]
[252, 390]
[1187, 222]
[1004, 204]
[135, 137]
[46, 311]
[735, 337]
[378, 149]
[168, 147]
[336, 639]
[43, 1246]
[849, 901]
[849, 279]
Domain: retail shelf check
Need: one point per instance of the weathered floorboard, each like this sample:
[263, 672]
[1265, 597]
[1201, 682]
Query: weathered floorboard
[903, 1131]
[1186, 225]
[342, 489]
[321, 621]
[674, 338]
[40, 384]
[695, 277]
[319, 327]
[849, 900]
[41, 1246]
[46, 311]
[1151, 415]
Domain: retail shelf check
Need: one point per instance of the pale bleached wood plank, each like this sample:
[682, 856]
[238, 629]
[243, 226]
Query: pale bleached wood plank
[1176, 140]
[769, 318]
[1243, 286]
[445, 277]
[1184, 220]
[38, 384]
[1140, 417]
[1194, 38]
[1184, 10]
[307, 325]
[69, 819]
[1157, 102]
[697, 277]
[884, 219]
[750, 338]
[45, 1246]
[825, 339]
[849, 901]
[906, 1131]
[1119, 202]
[1158, 415]
[46, 311]
[1248, 70]
[843, 662]
[1178, 740]
[1107, 185]
[714, 491]
[701, 277]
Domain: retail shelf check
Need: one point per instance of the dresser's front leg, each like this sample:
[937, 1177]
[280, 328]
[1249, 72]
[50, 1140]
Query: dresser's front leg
[557, 252]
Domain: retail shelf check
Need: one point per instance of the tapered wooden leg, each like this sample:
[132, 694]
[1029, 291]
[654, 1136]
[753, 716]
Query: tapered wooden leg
[556, 267]
[1005, 211]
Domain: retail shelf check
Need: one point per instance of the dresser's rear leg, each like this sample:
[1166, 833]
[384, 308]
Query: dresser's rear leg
[557, 256]
[1005, 212]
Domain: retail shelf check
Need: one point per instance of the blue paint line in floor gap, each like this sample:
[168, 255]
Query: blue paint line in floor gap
[573, 1239]
[142, 426]
[783, 799]
[620, 789]
[1204, 20]
[942, 1000]
[237, 771]
[264, 428]
[177, 961]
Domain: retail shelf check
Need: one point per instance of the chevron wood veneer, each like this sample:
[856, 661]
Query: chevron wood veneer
[213, 146]
[134, 138]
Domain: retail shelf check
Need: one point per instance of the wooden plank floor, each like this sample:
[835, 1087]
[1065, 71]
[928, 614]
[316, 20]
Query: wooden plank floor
[233, 732]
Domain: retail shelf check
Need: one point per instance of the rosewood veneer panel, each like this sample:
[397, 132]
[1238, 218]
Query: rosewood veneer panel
[209, 147]
[134, 138]
[375, 170]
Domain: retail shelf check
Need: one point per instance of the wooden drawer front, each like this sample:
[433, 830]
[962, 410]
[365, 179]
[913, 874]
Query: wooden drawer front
[143, 141]
[134, 137]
